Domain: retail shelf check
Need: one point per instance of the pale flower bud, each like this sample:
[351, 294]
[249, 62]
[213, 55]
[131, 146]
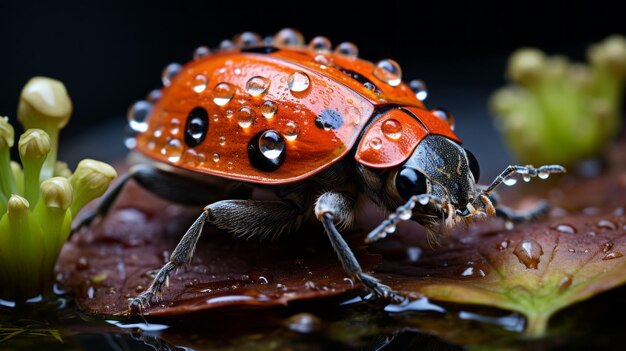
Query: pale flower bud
[57, 193]
[34, 144]
[90, 180]
[44, 102]
[17, 205]
[7, 133]
[526, 65]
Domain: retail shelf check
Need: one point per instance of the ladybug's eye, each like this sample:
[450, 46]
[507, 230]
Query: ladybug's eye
[473, 165]
[196, 127]
[410, 182]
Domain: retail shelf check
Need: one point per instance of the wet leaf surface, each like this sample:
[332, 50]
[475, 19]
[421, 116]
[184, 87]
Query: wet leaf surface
[107, 264]
[535, 269]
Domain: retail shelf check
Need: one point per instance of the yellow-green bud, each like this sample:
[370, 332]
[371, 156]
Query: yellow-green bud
[556, 67]
[34, 144]
[7, 133]
[17, 205]
[610, 54]
[57, 193]
[526, 65]
[62, 170]
[90, 180]
[44, 102]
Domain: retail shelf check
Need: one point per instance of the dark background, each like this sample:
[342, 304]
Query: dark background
[110, 54]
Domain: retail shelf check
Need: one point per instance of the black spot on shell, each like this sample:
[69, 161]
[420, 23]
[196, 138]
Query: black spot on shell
[196, 126]
[361, 79]
[258, 160]
[329, 119]
[260, 49]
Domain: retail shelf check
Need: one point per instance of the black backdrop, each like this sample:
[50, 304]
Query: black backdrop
[111, 53]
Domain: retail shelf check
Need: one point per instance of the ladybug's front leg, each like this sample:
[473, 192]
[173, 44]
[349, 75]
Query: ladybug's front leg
[338, 208]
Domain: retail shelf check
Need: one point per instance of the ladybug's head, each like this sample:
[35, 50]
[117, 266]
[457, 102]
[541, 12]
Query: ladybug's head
[408, 152]
[447, 173]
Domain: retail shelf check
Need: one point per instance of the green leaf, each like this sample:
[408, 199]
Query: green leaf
[536, 269]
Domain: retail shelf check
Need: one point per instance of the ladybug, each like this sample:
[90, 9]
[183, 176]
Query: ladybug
[318, 131]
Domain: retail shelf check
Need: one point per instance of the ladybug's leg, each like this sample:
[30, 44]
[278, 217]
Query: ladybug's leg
[338, 208]
[170, 186]
[526, 172]
[514, 216]
[240, 217]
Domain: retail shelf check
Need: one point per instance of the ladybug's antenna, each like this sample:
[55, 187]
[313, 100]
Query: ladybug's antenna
[402, 213]
[527, 173]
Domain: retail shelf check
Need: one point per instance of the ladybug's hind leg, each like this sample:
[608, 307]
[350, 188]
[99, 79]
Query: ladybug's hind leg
[167, 185]
[338, 208]
[241, 217]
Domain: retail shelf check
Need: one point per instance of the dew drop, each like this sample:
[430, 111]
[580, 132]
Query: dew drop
[510, 181]
[469, 271]
[606, 224]
[199, 83]
[200, 52]
[388, 71]
[223, 93]
[138, 115]
[571, 250]
[216, 157]
[372, 87]
[174, 126]
[130, 142]
[229, 165]
[257, 85]
[526, 178]
[245, 117]
[607, 246]
[352, 113]
[194, 157]
[229, 114]
[390, 228]
[376, 143]
[349, 281]
[268, 109]
[321, 59]
[304, 323]
[320, 44]
[413, 253]
[424, 200]
[565, 228]
[392, 129]
[445, 115]
[298, 81]
[529, 253]
[612, 255]
[406, 215]
[247, 39]
[309, 284]
[347, 49]
[226, 45]
[154, 95]
[288, 37]
[503, 245]
[292, 131]
[173, 150]
[543, 175]
[271, 144]
[419, 88]
[169, 72]
[222, 140]
[565, 282]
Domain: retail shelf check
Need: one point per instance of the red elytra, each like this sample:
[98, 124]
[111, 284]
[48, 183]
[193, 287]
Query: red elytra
[322, 102]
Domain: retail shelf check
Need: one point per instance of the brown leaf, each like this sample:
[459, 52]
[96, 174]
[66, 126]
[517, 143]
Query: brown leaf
[107, 264]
